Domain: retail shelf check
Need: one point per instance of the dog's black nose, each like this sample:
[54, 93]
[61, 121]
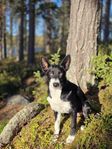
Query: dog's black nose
[55, 84]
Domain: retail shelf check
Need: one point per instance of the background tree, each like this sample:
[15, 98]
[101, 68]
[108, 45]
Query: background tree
[12, 15]
[82, 40]
[31, 42]
[106, 20]
[21, 27]
[1, 28]
[47, 11]
[4, 29]
[64, 16]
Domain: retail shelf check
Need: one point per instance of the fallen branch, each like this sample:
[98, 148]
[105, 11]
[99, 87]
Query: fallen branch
[18, 121]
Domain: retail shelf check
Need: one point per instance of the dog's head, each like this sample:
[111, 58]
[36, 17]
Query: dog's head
[56, 74]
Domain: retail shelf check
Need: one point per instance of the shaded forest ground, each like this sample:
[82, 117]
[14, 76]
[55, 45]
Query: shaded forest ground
[15, 78]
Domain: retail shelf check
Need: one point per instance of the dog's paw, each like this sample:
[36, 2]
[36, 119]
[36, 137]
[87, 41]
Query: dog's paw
[70, 139]
[82, 127]
[55, 137]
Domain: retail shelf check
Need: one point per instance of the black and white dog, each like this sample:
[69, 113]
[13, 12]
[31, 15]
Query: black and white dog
[63, 96]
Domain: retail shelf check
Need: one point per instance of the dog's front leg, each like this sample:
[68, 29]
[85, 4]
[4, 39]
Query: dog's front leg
[57, 125]
[71, 137]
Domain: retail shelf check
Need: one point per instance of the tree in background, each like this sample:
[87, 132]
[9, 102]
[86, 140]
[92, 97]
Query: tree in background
[21, 40]
[106, 20]
[1, 29]
[4, 34]
[64, 16]
[82, 40]
[12, 15]
[31, 41]
[47, 11]
[55, 30]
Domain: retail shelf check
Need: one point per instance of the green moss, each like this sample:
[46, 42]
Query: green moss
[39, 132]
[3, 124]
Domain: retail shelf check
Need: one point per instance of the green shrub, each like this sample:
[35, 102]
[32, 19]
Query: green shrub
[105, 97]
[40, 92]
[97, 133]
[55, 58]
[12, 75]
[8, 84]
[102, 69]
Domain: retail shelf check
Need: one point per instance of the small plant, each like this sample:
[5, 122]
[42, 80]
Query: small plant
[102, 69]
[55, 58]
[40, 92]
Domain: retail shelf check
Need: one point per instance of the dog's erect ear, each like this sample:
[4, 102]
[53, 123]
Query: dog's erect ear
[66, 62]
[44, 64]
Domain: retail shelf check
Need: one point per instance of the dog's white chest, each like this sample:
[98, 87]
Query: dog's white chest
[56, 103]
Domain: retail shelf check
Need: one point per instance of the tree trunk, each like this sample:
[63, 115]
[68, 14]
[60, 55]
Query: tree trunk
[11, 35]
[21, 43]
[48, 32]
[48, 29]
[65, 17]
[82, 40]
[101, 22]
[18, 121]
[31, 48]
[25, 34]
[1, 29]
[4, 38]
[106, 20]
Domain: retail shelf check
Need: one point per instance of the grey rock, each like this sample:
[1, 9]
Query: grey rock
[17, 99]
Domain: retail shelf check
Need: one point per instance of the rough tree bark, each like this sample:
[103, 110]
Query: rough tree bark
[82, 40]
[18, 121]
